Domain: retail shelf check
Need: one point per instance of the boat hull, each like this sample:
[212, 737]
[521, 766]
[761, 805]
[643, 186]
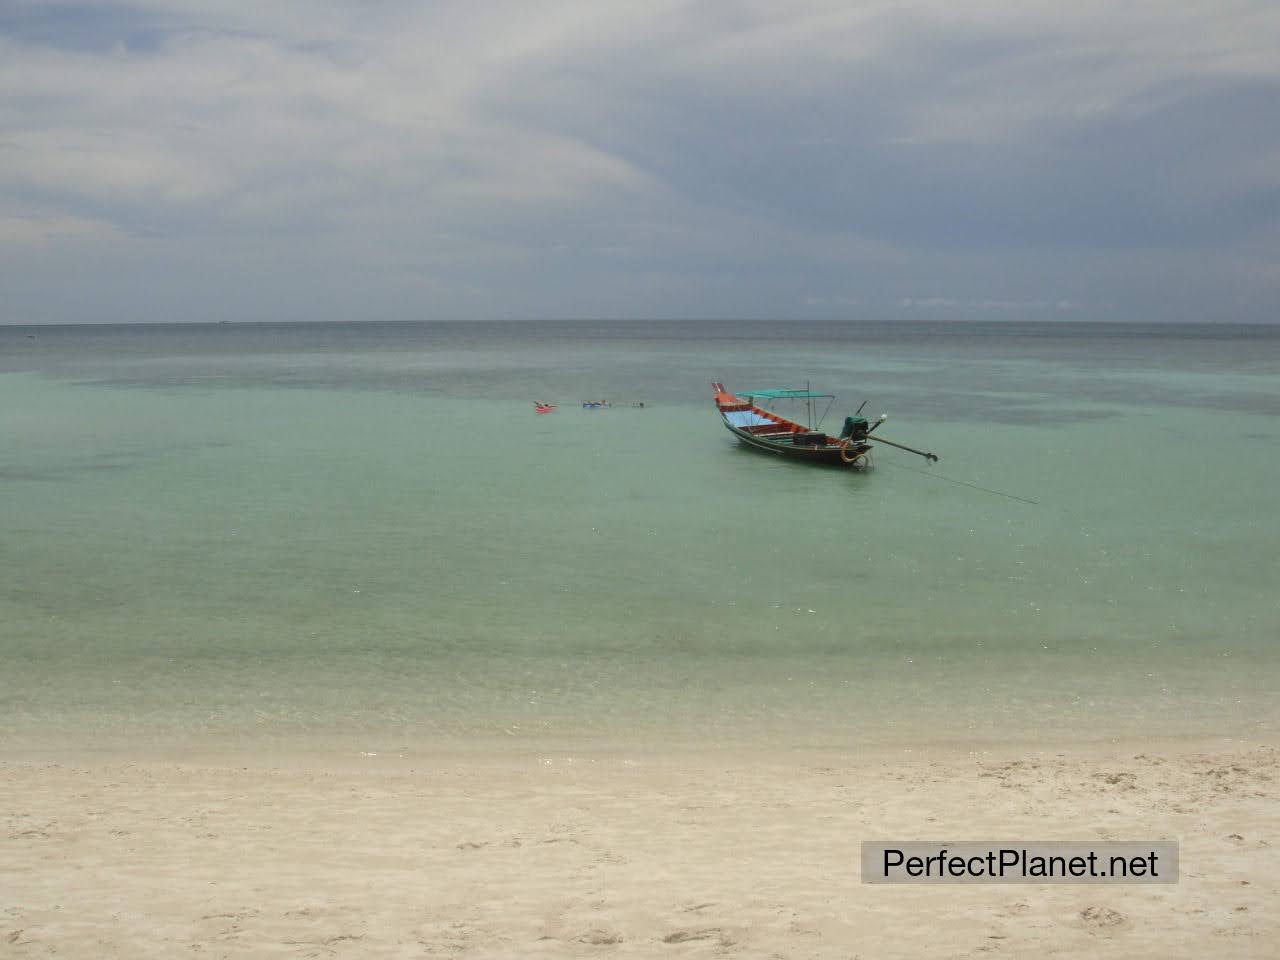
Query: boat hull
[830, 454]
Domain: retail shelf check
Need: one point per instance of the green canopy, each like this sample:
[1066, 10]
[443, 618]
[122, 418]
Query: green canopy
[784, 394]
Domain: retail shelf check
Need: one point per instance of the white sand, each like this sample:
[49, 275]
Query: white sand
[617, 854]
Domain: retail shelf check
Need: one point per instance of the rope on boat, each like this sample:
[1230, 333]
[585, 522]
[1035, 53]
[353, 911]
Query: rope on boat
[963, 483]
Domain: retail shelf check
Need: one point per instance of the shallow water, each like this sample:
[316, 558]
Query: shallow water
[363, 530]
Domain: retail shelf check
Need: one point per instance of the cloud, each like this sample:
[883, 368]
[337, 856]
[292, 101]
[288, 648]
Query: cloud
[673, 158]
[41, 232]
[993, 306]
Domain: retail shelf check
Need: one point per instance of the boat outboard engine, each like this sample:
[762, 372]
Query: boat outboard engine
[855, 428]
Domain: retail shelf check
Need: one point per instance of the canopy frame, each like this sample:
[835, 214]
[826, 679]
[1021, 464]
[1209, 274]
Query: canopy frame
[788, 393]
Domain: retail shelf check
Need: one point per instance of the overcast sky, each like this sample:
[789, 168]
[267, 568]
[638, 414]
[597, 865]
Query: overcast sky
[210, 160]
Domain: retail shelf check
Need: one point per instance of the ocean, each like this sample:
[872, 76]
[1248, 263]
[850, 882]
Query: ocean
[362, 535]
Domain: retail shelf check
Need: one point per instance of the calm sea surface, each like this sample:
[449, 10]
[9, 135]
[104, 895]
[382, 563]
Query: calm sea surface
[362, 533]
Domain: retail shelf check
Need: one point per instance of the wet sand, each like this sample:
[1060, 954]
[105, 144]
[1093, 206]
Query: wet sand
[618, 853]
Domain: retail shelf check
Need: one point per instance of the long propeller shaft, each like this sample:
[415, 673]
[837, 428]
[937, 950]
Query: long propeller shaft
[922, 453]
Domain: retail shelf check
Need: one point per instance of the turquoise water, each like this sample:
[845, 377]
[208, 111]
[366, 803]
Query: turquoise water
[362, 532]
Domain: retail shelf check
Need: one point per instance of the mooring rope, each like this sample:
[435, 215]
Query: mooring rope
[963, 483]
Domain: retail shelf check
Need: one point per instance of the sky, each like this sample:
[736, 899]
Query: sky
[202, 160]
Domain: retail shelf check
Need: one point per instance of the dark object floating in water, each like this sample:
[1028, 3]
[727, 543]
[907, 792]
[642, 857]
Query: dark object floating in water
[765, 430]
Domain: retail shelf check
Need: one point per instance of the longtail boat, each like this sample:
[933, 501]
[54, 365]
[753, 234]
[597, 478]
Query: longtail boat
[759, 427]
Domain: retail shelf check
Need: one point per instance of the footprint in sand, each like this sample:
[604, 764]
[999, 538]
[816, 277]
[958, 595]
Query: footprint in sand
[700, 933]
[599, 937]
[1015, 909]
[697, 907]
[1125, 781]
[1103, 920]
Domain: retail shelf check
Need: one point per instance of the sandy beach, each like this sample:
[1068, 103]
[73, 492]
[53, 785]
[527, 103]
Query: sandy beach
[617, 852]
